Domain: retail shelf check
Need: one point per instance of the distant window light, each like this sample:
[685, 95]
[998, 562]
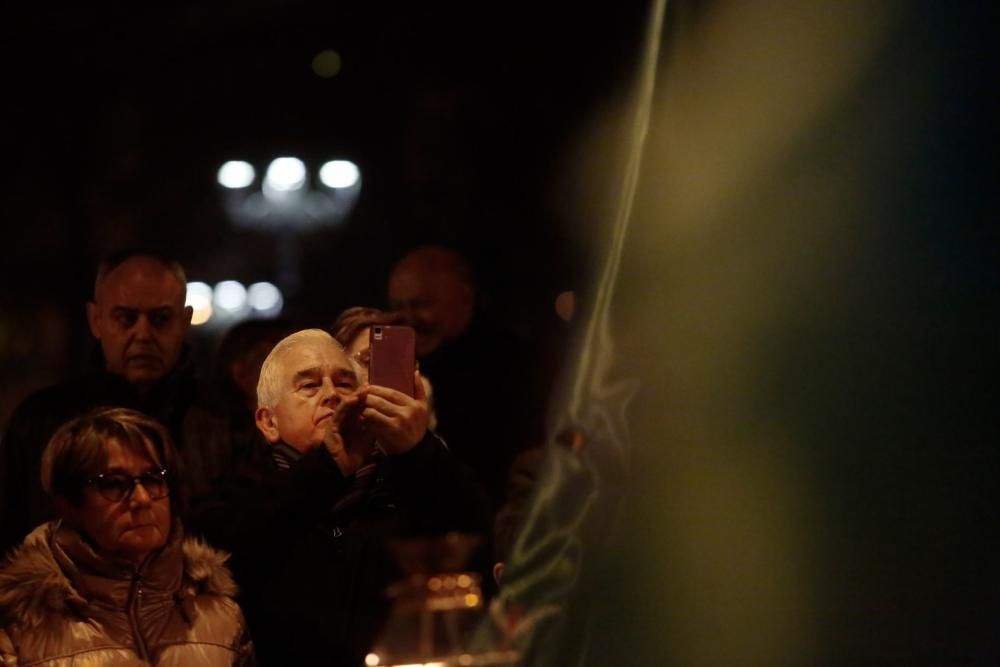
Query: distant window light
[230, 296]
[265, 299]
[199, 297]
[286, 174]
[339, 174]
[236, 174]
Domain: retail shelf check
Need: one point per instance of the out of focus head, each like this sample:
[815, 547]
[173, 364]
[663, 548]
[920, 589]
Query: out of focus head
[242, 352]
[302, 381]
[351, 330]
[432, 288]
[138, 315]
[113, 475]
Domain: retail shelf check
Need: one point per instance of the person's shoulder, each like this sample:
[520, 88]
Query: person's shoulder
[54, 401]
[205, 567]
[32, 585]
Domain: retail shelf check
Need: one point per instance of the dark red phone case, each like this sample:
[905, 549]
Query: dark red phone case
[392, 360]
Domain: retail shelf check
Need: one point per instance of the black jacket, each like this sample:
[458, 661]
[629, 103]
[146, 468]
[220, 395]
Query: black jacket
[187, 407]
[311, 546]
[474, 376]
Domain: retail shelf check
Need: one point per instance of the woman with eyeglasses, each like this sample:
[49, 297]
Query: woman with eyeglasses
[114, 580]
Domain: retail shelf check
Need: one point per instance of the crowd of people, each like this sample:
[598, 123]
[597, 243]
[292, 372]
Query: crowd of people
[148, 514]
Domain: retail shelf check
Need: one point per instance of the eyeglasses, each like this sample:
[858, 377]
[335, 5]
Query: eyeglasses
[117, 487]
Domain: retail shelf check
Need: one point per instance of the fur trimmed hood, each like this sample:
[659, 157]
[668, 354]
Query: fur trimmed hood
[39, 577]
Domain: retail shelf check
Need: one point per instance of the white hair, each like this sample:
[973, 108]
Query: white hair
[269, 382]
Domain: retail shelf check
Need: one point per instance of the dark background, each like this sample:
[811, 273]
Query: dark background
[459, 116]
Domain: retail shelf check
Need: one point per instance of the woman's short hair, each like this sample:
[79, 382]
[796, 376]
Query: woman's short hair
[354, 320]
[78, 451]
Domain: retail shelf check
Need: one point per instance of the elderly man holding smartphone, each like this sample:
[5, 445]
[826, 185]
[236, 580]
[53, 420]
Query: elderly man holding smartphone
[347, 467]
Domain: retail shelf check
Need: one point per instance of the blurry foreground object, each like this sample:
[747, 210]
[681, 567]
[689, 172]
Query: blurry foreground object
[804, 294]
[437, 609]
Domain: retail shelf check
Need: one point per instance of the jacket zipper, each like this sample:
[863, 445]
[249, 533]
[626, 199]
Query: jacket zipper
[134, 600]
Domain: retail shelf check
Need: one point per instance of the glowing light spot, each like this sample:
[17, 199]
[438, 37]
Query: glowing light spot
[230, 296]
[465, 659]
[565, 305]
[434, 584]
[471, 600]
[199, 297]
[265, 299]
[464, 581]
[449, 583]
[285, 174]
[371, 660]
[326, 64]
[236, 174]
[339, 174]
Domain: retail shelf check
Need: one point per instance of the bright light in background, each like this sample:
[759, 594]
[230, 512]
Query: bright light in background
[265, 299]
[285, 174]
[236, 174]
[230, 296]
[339, 174]
[326, 64]
[199, 297]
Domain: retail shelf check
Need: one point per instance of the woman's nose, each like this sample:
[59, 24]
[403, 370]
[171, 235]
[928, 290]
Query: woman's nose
[140, 496]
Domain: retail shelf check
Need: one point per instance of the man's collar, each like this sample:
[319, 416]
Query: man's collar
[284, 455]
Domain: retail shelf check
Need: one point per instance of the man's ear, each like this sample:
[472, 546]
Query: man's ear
[93, 319]
[267, 425]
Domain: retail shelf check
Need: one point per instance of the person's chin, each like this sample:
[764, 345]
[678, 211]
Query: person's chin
[144, 372]
[141, 539]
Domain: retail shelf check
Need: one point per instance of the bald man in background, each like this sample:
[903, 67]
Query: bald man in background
[481, 372]
[139, 318]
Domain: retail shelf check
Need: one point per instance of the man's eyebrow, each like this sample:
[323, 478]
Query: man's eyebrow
[306, 374]
[346, 372]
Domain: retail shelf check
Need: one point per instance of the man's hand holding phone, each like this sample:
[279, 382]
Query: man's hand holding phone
[397, 420]
[347, 440]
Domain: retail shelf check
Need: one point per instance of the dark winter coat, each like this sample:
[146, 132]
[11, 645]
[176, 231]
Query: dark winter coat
[311, 547]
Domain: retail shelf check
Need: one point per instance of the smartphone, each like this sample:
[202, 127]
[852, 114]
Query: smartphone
[392, 360]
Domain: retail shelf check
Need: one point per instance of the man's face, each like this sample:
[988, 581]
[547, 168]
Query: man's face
[138, 314]
[130, 528]
[314, 377]
[435, 303]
